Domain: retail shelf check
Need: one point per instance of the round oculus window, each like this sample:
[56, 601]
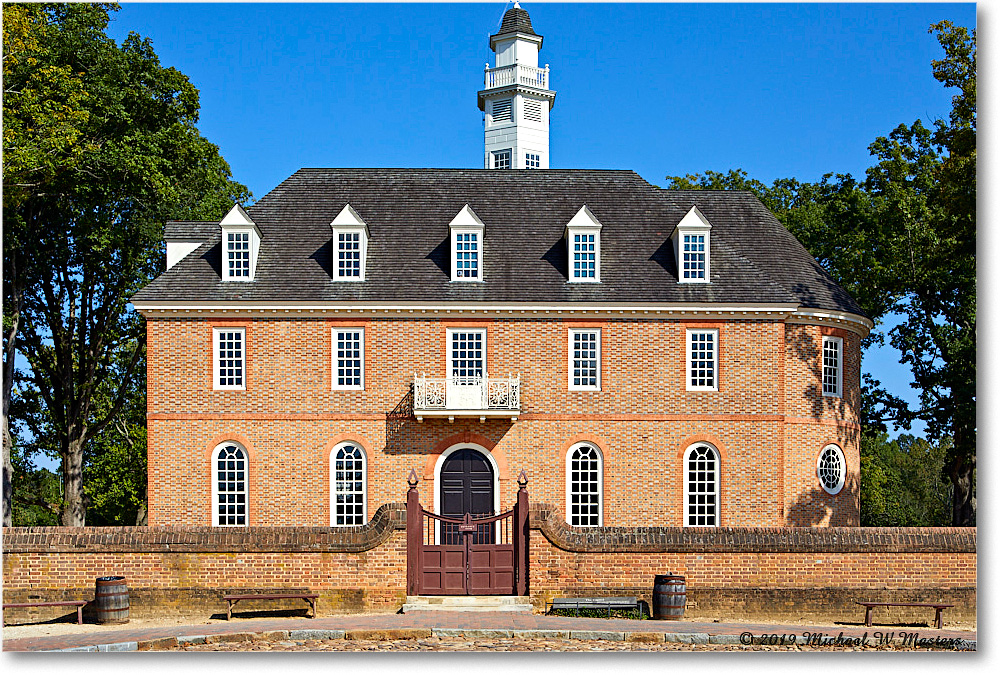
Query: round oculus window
[831, 469]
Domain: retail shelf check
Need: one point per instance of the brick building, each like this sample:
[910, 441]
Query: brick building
[646, 357]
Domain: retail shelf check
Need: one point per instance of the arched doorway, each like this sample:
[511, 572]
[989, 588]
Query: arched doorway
[466, 484]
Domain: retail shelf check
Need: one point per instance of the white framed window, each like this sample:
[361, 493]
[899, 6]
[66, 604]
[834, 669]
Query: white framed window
[532, 160]
[350, 245]
[229, 485]
[238, 254]
[584, 486]
[694, 262]
[348, 358]
[585, 359]
[229, 358]
[240, 245]
[466, 353]
[833, 366]
[467, 231]
[501, 159]
[583, 238]
[831, 468]
[348, 485]
[703, 359]
[701, 486]
[692, 251]
[348, 255]
[467, 254]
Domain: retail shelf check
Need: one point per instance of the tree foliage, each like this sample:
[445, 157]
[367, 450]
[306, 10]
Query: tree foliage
[903, 483]
[903, 243]
[103, 147]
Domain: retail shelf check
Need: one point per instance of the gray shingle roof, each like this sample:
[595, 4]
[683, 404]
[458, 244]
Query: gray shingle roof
[753, 257]
[515, 20]
[188, 230]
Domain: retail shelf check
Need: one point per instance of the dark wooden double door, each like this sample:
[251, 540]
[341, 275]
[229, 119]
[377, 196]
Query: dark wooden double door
[469, 557]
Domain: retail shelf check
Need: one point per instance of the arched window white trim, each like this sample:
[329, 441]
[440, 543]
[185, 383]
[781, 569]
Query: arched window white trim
[348, 485]
[702, 468]
[489, 457]
[831, 468]
[230, 482]
[584, 485]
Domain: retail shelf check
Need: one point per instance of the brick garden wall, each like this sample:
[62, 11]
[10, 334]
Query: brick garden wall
[735, 572]
[743, 572]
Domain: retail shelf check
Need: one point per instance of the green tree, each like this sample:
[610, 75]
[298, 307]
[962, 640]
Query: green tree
[903, 243]
[82, 220]
[902, 482]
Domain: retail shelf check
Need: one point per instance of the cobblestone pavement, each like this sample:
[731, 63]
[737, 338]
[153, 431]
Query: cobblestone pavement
[456, 644]
[461, 631]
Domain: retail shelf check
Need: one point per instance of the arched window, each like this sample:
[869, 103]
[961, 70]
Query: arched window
[831, 468]
[229, 487]
[584, 486]
[701, 486]
[348, 485]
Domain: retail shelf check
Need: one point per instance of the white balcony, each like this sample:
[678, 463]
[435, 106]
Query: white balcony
[476, 396]
[517, 74]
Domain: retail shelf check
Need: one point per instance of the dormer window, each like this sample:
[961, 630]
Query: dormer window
[691, 248]
[350, 245]
[583, 237]
[240, 245]
[466, 246]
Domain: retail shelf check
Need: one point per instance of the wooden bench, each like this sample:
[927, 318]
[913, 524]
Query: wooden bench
[65, 603]
[233, 599]
[938, 608]
[594, 603]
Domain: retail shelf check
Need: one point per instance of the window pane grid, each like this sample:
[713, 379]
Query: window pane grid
[501, 159]
[532, 161]
[702, 362]
[693, 265]
[584, 256]
[349, 358]
[831, 367]
[349, 254]
[238, 252]
[230, 358]
[585, 359]
[831, 468]
[467, 357]
[467, 255]
[349, 486]
[231, 489]
[702, 487]
[585, 488]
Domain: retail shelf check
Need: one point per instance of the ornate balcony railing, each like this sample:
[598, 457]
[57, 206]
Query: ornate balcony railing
[474, 396]
[505, 76]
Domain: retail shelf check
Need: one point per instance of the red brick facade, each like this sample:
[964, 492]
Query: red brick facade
[768, 419]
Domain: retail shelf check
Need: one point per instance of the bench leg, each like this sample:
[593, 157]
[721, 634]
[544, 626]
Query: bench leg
[312, 606]
[79, 615]
[937, 617]
[868, 616]
[229, 610]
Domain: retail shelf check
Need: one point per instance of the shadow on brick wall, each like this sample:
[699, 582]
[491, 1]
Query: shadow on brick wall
[815, 507]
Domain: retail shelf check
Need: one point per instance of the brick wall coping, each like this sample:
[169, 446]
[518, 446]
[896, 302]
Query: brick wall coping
[545, 519]
[387, 519]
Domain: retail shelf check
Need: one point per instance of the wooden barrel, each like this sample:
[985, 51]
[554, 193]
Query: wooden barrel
[111, 600]
[669, 597]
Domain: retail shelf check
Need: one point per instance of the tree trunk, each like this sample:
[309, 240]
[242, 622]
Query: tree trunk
[74, 505]
[963, 504]
[8, 475]
[141, 519]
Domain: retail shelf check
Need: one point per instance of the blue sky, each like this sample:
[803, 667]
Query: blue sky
[780, 90]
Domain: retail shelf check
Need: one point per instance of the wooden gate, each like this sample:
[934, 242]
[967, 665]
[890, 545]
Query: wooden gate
[471, 555]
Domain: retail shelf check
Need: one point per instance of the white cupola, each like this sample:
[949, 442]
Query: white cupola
[516, 97]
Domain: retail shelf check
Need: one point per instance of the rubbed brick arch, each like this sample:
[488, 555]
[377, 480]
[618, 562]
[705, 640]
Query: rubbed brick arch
[468, 437]
[252, 491]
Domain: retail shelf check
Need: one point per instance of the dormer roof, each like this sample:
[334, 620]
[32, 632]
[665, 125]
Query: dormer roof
[408, 211]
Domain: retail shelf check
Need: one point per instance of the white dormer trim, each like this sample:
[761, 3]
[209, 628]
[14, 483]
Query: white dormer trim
[467, 227]
[237, 222]
[583, 224]
[349, 222]
[694, 224]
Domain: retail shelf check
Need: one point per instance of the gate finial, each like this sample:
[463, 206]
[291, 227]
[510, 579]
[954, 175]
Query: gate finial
[522, 479]
[412, 480]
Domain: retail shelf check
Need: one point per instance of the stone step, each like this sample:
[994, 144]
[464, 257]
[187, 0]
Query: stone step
[467, 603]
